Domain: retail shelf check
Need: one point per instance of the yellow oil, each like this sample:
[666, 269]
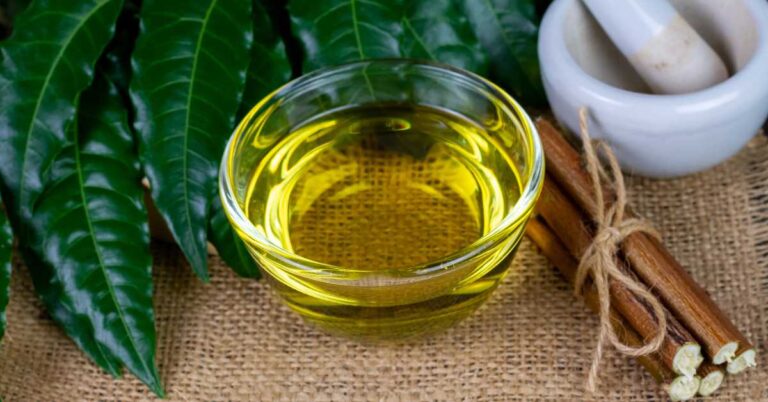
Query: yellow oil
[375, 193]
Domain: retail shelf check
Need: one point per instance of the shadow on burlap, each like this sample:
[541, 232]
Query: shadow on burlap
[231, 340]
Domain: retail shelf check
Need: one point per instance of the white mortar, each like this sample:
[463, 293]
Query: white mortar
[659, 135]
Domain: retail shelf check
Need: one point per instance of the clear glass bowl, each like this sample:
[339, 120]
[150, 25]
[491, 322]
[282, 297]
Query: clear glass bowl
[379, 296]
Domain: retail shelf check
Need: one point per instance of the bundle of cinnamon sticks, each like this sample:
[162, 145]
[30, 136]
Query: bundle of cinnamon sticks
[700, 344]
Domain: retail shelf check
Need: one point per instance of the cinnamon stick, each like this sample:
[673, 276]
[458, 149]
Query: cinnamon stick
[648, 257]
[711, 378]
[679, 350]
[745, 358]
[679, 387]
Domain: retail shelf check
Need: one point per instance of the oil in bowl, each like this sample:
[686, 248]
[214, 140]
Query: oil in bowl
[383, 219]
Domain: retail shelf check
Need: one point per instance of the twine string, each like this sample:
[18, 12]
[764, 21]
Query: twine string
[600, 261]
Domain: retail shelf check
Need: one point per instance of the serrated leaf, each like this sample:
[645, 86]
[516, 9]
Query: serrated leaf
[437, 30]
[46, 63]
[189, 68]
[6, 251]
[231, 249]
[340, 31]
[95, 233]
[508, 30]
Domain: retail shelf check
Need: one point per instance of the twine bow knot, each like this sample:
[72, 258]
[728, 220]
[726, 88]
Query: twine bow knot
[600, 260]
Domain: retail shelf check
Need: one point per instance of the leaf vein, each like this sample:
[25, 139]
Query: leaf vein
[39, 101]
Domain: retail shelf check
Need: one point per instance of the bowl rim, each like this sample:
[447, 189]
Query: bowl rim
[303, 266]
[728, 97]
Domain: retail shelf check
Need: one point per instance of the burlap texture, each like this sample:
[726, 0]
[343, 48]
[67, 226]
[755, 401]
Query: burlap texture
[231, 340]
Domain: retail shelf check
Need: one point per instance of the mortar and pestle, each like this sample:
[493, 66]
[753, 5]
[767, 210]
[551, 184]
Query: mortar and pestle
[675, 87]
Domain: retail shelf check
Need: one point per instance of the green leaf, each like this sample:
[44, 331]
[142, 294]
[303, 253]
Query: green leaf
[8, 11]
[437, 30]
[508, 30]
[95, 234]
[14, 7]
[340, 31]
[281, 21]
[6, 251]
[63, 309]
[189, 70]
[116, 60]
[231, 249]
[46, 63]
[269, 67]
[43, 71]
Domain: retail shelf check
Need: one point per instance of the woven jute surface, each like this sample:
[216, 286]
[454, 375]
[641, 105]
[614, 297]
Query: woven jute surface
[232, 340]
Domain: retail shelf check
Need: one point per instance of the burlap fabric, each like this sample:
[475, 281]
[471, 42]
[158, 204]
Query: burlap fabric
[231, 340]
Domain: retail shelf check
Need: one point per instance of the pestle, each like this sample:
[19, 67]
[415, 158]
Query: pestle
[664, 50]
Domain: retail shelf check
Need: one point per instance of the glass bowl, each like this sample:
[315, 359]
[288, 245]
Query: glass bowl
[383, 199]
